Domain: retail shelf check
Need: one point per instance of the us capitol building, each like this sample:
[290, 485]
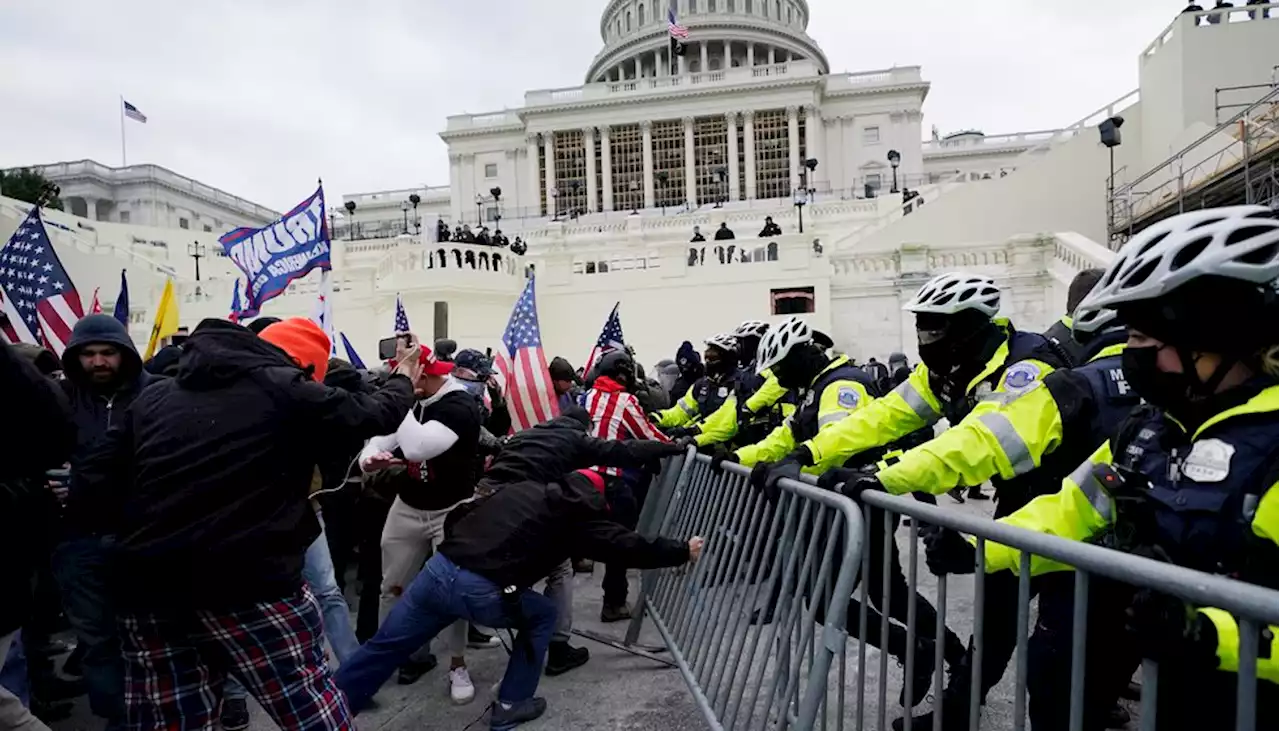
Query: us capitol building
[606, 181]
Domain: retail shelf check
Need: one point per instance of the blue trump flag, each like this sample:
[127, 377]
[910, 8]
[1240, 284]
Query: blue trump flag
[121, 312]
[276, 254]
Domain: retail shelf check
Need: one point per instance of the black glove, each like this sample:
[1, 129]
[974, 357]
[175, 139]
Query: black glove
[850, 482]
[650, 450]
[720, 456]
[765, 476]
[684, 442]
[1168, 631]
[834, 478]
[681, 432]
[946, 552]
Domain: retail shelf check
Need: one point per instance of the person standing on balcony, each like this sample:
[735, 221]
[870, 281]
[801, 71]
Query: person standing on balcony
[770, 228]
[724, 233]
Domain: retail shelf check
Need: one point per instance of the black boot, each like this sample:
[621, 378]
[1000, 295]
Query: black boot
[956, 493]
[563, 657]
[411, 671]
[955, 704]
[975, 493]
[921, 672]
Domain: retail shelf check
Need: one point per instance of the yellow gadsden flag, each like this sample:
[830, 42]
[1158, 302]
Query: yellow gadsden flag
[166, 319]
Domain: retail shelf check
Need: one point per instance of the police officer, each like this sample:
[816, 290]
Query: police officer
[1060, 332]
[1189, 476]
[759, 404]
[1040, 437]
[971, 360]
[707, 393]
[834, 390]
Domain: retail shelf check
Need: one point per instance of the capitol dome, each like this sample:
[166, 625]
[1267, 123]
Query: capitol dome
[722, 34]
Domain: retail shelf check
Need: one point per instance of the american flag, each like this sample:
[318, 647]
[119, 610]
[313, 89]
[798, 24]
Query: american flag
[675, 29]
[322, 314]
[610, 339]
[132, 112]
[402, 320]
[530, 395]
[37, 295]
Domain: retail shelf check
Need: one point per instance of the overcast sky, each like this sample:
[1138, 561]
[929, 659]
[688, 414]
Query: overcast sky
[259, 97]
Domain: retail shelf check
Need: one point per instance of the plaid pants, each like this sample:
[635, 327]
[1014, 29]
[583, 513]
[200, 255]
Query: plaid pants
[176, 664]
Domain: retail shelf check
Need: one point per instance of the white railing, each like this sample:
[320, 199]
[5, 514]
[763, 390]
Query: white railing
[660, 84]
[1185, 22]
[461, 122]
[155, 174]
[876, 77]
[962, 141]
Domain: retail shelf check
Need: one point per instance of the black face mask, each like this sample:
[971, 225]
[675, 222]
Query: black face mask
[948, 356]
[1164, 390]
[800, 367]
[719, 367]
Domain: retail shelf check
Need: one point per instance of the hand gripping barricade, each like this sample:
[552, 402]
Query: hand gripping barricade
[758, 630]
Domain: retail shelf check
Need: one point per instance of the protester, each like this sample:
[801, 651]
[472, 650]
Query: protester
[204, 482]
[691, 369]
[770, 228]
[442, 230]
[429, 461]
[697, 236]
[104, 376]
[497, 548]
[724, 233]
[46, 441]
[565, 381]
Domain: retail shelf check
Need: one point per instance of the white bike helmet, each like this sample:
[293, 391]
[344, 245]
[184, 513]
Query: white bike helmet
[947, 294]
[1237, 242]
[751, 328]
[724, 341]
[780, 340]
[1085, 322]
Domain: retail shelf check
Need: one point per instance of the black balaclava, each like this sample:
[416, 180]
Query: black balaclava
[800, 366]
[957, 346]
[725, 362]
[748, 345]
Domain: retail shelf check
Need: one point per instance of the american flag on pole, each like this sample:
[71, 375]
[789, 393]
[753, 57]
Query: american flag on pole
[610, 339]
[402, 320]
[322, 314]
[675, 29]
[530, 395]
[132, 112]
[36, 294]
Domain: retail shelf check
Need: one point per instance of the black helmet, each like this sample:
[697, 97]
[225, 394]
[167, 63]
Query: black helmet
[618, 365]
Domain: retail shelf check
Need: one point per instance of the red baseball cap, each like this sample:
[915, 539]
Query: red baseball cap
[433, 366]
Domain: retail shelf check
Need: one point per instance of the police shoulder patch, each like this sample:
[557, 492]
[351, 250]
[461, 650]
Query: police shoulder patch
[1021, 377]
[848, 397]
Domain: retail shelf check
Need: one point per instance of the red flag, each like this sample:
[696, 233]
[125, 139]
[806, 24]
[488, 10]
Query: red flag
[96, 307]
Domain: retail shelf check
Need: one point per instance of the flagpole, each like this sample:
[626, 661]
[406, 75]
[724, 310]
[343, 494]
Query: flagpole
[124, 158]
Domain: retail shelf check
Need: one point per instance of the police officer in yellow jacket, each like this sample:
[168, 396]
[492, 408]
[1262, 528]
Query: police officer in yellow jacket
[758, 404]
[835, 390]
[1060, 333]
[708, 393]
[972, 362]
[1039, 438]
[1189, 477]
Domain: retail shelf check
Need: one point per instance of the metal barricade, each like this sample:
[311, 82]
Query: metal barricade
[757, 623]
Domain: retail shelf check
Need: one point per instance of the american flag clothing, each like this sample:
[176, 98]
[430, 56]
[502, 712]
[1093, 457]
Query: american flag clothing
[675, 29]
[37, 295]
[132, 112]
[176, 665]
[616, 414]
[610, 339]
[530, 393]
[402, 320]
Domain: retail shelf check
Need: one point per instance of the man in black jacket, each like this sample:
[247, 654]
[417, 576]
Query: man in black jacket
[542, 454]
[204, 482]
[496, 547]
[44, 441]
[104, 375]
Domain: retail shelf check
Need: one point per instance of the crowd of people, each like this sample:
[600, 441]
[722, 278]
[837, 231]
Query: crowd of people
[463, 234]
[195, 521]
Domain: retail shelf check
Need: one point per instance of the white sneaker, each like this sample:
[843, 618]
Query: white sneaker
[460, 688]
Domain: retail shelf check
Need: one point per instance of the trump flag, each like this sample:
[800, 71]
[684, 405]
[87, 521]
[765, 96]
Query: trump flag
[274, 255]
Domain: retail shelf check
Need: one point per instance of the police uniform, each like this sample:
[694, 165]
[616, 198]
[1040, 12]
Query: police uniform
[704, 398]
[840, 390]
[767, 406]
[1060, 337]
[1018, 364]
[1211, 503]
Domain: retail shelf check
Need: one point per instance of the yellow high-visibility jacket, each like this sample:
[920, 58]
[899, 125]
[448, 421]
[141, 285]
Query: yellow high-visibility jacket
[1011, 371]
[1003, 438]
[838, 399]
[1083, 509]
[722, 426]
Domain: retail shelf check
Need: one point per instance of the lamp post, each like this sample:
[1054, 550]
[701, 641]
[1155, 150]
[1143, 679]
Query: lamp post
[333, 220]
[662, 177]
[351, 222]
[634, 187]
[479, 216]
[722, 174]
[196, 251]
[804, 194]
[1109, 134]
[496, 192]
[555, 204]
[894, 160]
[404, 207]
[415, 199]
[574, 187]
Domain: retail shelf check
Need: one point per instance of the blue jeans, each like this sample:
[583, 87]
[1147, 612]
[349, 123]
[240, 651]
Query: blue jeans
[441, 594]
[317, 571]
[13, 671]
[82, 568]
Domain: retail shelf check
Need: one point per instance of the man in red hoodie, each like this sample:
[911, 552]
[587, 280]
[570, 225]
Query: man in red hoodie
[616, 414]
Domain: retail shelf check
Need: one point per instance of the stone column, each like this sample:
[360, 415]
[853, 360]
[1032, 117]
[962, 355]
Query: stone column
[657, 63]
[703, 47]
[749, 151]
[531, 185]
[751, 54]
[90, 208]
[690, 169]
[646, 130]
[589, 146]
[606, 168]
[793, 140]
[771, 56]
[549, 149]
[728, 56]
[813, 142]
[731, 127]
[455, 187]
